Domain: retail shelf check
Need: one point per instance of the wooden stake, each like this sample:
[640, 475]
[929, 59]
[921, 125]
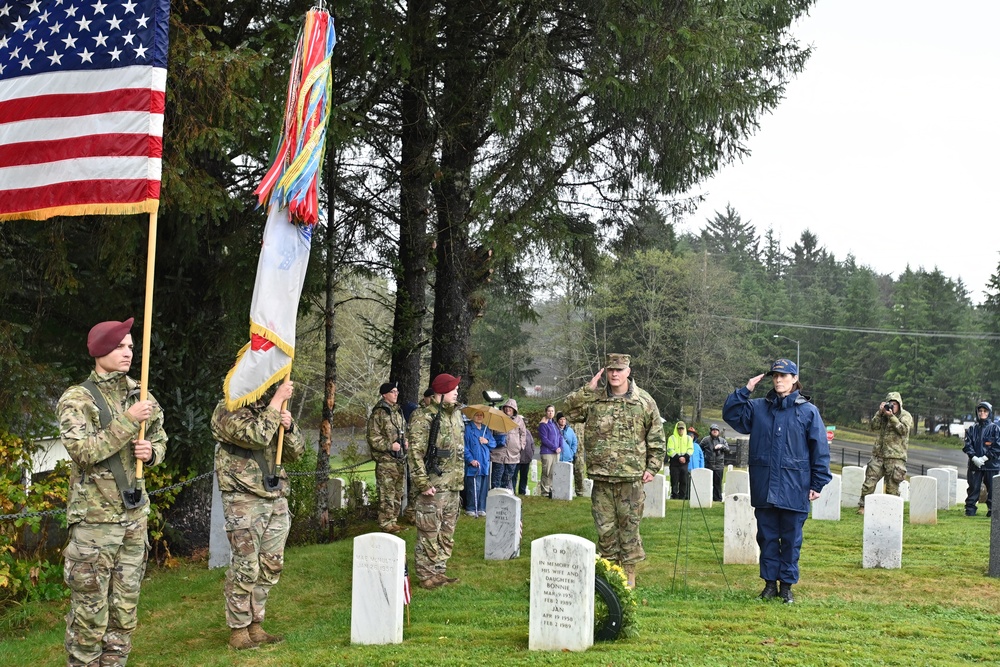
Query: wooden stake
[147, 330]
[281, 430]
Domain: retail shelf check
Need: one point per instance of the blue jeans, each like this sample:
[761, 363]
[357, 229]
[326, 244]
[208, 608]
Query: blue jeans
[501, 475]
[476, 489]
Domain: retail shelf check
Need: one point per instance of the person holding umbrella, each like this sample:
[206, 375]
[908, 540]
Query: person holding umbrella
[479, 441]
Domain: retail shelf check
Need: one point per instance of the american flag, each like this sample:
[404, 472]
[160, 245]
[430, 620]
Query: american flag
[81, 106]
[406, 584]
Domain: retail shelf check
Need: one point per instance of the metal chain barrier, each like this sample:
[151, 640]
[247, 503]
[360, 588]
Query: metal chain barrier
[56, 512]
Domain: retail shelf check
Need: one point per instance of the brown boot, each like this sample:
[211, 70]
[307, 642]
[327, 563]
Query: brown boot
[259, 635]
[393, 529]
[239, 639]
[448, 580]
[434, 582]
[861, 510]
[630, 574]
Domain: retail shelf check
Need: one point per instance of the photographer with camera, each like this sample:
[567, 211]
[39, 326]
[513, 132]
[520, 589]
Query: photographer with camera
[893, 425]
[386, 436]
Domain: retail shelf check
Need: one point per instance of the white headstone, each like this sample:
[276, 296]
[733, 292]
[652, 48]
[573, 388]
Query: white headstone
[656, 498]
[953, 487]
[561, 616]
[533, 471]
[904, 491]
[335, 487]
[879, 485]
[851, 480]
[377, 589]
[739, 531]
[499, 491]
[701, 487]
[923, 499]
[562, 481]
[737, 481]
[359, 492]
[503, 526]
[883, 533]
[944, 493]
[827, 506]
[588, 486]
[219, 551]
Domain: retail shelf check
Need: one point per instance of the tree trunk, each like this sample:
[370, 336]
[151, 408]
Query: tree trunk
[416, 172]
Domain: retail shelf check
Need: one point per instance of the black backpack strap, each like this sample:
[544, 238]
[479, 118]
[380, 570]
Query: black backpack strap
[130, 496]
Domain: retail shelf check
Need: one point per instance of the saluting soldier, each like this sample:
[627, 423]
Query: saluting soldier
[625, 449]
[386, 435]
[255, 505]
[438, 479]
[105, 559]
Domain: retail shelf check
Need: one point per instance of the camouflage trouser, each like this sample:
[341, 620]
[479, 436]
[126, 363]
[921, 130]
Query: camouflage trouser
[103, 566]
[617, 509]
[893, 470]
[390, 478]
[436, 517]
[579, 471]
[257, 529]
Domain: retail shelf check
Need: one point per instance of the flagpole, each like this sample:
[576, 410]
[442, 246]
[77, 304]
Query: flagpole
[147, 329]
[281, 429]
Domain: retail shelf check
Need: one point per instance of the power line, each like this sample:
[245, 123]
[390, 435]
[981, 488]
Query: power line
[966, 335]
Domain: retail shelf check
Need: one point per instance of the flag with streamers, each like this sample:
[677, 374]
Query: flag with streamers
[82, 86]
[290, 190]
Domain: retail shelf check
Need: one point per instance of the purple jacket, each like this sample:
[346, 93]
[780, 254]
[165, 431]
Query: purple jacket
[551, 437]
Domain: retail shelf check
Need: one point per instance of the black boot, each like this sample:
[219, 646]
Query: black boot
[770, 591]
[786, 593]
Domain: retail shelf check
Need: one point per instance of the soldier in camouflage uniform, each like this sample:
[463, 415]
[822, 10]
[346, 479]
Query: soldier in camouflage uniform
[893, 425]
[438, 481]
[257, 518]
[105, 558]
[625, 449]
[386, 437]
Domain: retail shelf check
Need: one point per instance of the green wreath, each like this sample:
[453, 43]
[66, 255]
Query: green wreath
[606, 622]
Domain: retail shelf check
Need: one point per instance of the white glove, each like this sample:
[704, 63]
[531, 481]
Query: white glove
[979, 461]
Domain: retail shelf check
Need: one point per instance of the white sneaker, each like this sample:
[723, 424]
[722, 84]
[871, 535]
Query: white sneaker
[472, 514]
[482, 514]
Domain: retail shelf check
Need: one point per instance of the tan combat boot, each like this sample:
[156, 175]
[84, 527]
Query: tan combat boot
[239, 639]
[259, 635]
[630, 574]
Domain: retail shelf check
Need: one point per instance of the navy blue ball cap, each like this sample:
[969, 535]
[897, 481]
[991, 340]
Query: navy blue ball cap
[783, 366]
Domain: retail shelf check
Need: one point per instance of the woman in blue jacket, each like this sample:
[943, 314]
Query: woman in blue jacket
[479, 441]
[789, 466]
[570, 441]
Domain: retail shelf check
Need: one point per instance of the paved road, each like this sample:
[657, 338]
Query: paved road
[918, 460]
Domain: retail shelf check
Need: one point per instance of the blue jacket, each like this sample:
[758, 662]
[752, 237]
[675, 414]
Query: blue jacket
[550, 436]
[477, 451]
[789, 453]
[570, 443]
[697, 458]
[983, 439]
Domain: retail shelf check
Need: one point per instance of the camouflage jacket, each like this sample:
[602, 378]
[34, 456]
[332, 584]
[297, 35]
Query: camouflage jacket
[385, 426]
[624, 434]
[93, 493]
[450, 445]
[893, 431]
[254, 426]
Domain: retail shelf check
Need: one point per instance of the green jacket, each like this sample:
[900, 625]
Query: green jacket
[385, 426]
[93, 493]
[893, 431]
[680, 443]
[624, 434]
[450, 445]
[251, 427]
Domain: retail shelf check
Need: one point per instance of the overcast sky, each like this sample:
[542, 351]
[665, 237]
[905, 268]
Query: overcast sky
[886, 145]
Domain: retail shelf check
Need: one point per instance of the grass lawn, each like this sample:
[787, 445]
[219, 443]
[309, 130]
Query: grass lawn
[940, 609]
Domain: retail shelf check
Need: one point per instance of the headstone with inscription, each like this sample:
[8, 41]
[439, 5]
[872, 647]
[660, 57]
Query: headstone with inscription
[656, 498]
[923, 499]
[737, 481]
[701, 487]
[739, 534]
[883, 532]
[851, 480]
[561, 615]
[955, 499]
[944, 493]
[377, 589]
[827, 506]
[562, 481]
[219, 551]
[503, 526]
[499, 491]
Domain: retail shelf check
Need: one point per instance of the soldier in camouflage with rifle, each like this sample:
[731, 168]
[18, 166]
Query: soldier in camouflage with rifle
[105, 558]
[255, 505]
[437, 462]
[386, 435]
[625, 449]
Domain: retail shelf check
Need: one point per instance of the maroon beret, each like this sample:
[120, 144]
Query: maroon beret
[444, 383]
[105, 337]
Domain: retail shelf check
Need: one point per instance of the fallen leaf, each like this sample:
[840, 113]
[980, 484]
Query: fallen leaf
[768, 641]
